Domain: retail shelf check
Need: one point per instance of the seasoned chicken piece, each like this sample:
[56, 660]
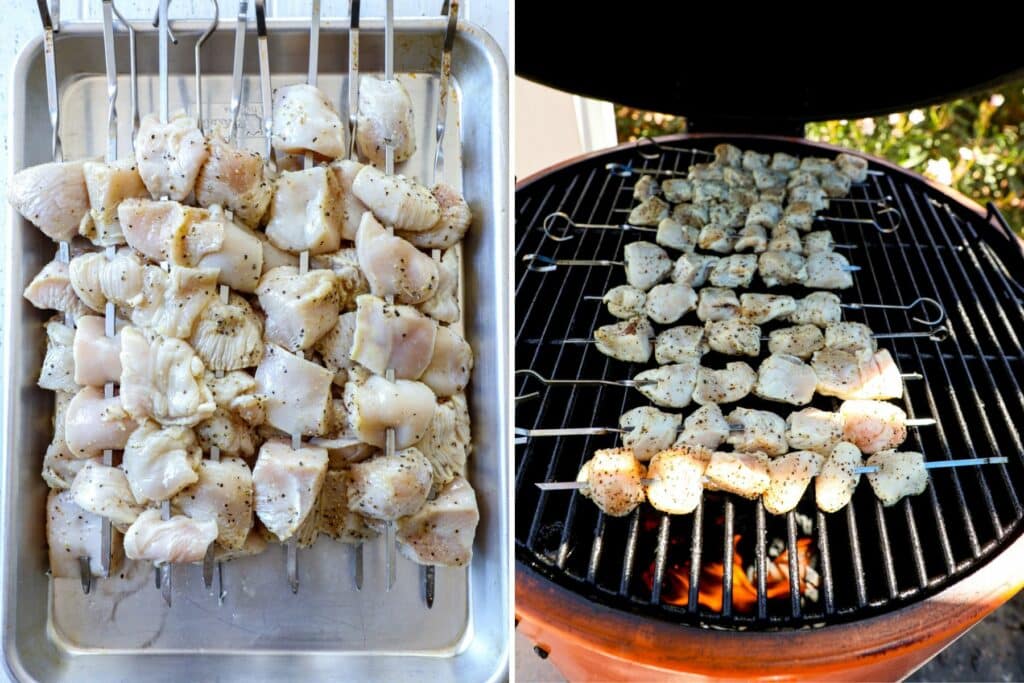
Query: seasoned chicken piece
[172, 303]
[752, 238]
[673, 384]
[812, 429]
[696, 215]
[844, 376]
[223, 493]
[150, 226]
[738, 177]
[348, 205]
[753, 160]
[390, 336]
[375, 404]
[838, 478]
[442, 531]
[235, 179]
[230, 387]
[625, 301]
[448, 442]
[744, 474]
[444, 305]
[649, 430]
[97, 356]
[765, 214]
[84, 273]
[96, 279]
[51, 290]
[728, 155]
[59, 372]
[816, 165]
[835, 184]
[727, 385]
[784, 162]
[103, 490]
[717, 238]
[676, 190]
[716, 303]
[336, 520]
[335, 347]
[286, 483]
[303, 213]
[734, 337]
[170, 155]
[218, 242]
[677, 479]
[109, 184]
[667, 303]
[396, 200]
[649, 212]
[674, 235]
[873, 426]
[228, 336]
[176, 540]
[817, 308]
[162, 378]
[808, 194]
[707, 191]
[60, 468]
[613, 479]
[53, 197]
[743, 196]
[799, 340]
[854, 167]
[693, 269]
[769, 179]
[450, 365]
[71, 533]
[94, 424]
[785, 239]
[385, 115]
[706, 171]
[228, 432]
[646, 264]
[727, 215]
[300, 308]
[798, 215]
[160, 461]
[762, 308]
[803, 178]
[734, 271]
[705, 427]
[818, 241]
[451, 227]
[274, 258]
[900, 474]
[305, 120]
[828, 270]
[351, 282]
[785, 378]
[393, 266]
[679, 344]
[646, 187]
[781, 268]
[761, 430]
[790, 476]
[389, 487]
[298, 392]
[855, 338]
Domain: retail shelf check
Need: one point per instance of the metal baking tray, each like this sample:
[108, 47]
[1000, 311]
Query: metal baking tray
[51, 631]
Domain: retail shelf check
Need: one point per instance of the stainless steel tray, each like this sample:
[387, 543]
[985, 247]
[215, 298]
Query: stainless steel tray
[51, 631]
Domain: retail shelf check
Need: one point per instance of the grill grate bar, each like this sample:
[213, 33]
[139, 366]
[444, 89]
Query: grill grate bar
[660, 556]
[826, 563]
[794, 564]
[761, 560]
[696, 544]
[728, 557]
[596, 548]
[627, 568]
[858, 561]
[529, 232]
[887, 560]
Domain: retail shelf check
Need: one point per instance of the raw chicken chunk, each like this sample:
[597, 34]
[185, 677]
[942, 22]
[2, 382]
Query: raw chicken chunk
[442, 531]
[781, 268]
[305, 120]
[97, 356]
[613, 479]
[799, 340]
[376, 404]
[71, 533]
[838, 479]
[303, 213]
[336, 519]
[389, 487]
[286, 483]
[900, 474]
[59, 372]
[150, 226]
[104, 491]
[647, 264]
[450, 365]
[727, 385]
[51, 290]
[53, 197]
[335, 347]
[844, 376]
[705, 427]
[109, 184]
[673, 385]
[817, 308]
[811, 429]
[300, 308]
[391, 336]
[176, 540]
[628, 340]
[745, 474]
[94, 423]
[228, 336]
[218, 242]
[677, 476]
[798, 215]
[349, 206]
[298, 392]
[873, 426]
[223, 493]
[679, 344]
[452, 225]
[444, 305]
[790, 476]
[649, 430]
[160, 461]
[447, 442]
[393, 266]
[818, 241]
[170, 155]
[235, 179]
[828, 270]
[760, 430]
[396, 200]
[785, 378]
[385, 115]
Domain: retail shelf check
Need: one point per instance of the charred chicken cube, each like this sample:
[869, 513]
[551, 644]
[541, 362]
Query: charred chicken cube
[649, 212]
[785, 239]
[696, 215]
[647, 186]
[751, 238]
[798, 215]
[717, 238]
[813, 195]
[676, 190]
[765, 214]
[728, 155]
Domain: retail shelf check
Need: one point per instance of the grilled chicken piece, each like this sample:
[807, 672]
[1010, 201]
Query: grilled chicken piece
[177, 540]
[785, 239]
[108, 185]
[844, 376]
[51, 290]
[900, 473]
[696, 215]
[817, 308]
[171, 304]
[744, 474]
[298, 392]
[693, 269]
[625, 301]
[104, 491]
[727, 215]
[799, 340]
[300, 308]
[873, 426]
[335, 518]
[781, 268]
[389, 487]
[390, 336]
[162, 378]
[734, 337]
[94, 424]
[769, 179]
[393, 266]
[649, 212]
[59, 372]
[854, 167]
[628, 340]
[335, 347]
[228, 336]
[736, 270]
[728, 155]
[649, 430]
[218, 242]
[679, 344]
[235, 179]
[444, 305]
[673, 384]
[223, 493]
[785, 378]
[751, 238]
[803, 178]
[303, 213]
[442, 531]
[855, 338]
[448, 442]
[647, 264]
[305, 120]
[53, 197]
[762, 431]
[818, 241]
[451, 227]
[450, 365]
[706, 191]
[753, 160]
[716, 303]
[71, 533]
[375, 404]
[170, 155]
[286, 483]
[705, 427]
[646, 187]
[827, 270]
[677, 479]
[784, 162]
[676, 190]
[613, 479]
[798, 215]
[835, 184]
[743, 196]
[838, 478]
[811, 429]
[396, 200]
[727, 385]
[765, 214]
[666, 303]
[762, 308]
[717, 238]
[160, 461]
[97, 357]
[385, 114]
[790, 476]
[706, 171]
[808, 194]
[675, 235]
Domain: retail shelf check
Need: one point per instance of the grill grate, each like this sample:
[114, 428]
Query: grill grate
[868, 559]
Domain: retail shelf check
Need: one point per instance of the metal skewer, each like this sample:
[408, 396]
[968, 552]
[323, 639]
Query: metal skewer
[550, 264]
[266, 91]
[936, 334]
[389, 169]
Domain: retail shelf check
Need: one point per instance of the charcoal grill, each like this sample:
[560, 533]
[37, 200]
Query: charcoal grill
[893, 585]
